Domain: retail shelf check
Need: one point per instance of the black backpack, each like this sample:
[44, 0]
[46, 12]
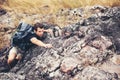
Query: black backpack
[21, 32]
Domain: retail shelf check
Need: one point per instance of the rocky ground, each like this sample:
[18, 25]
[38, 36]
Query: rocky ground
[90, 52]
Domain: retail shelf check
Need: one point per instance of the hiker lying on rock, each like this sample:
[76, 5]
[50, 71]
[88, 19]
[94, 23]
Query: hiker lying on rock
[25, 37]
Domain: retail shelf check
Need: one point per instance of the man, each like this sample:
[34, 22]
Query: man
[31, 39]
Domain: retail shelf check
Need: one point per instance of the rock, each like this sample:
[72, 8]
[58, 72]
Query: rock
[87, 56]
[116, 59]
[102, 43]
[56, 75]
[92, 73]
[11, 76]
[2, 12]
[68, 64]
[2, 1]
[111, 67]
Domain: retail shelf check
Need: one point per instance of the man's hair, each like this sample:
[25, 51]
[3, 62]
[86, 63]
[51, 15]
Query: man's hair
[38, 25]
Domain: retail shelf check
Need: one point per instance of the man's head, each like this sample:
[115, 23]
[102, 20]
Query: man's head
[39, 29]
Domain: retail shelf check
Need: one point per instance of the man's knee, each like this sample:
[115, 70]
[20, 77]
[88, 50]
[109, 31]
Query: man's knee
[11, 57]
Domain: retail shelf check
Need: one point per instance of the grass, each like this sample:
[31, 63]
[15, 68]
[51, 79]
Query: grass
[3, 42]
[51, 6]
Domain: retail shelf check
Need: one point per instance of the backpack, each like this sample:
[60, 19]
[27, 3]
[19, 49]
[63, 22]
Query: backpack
[21, 32]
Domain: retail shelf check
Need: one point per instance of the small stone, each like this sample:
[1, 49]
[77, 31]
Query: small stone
[68, 64]
[116, 59]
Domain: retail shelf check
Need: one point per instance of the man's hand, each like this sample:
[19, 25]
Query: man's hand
[48, 46]
[49, 31]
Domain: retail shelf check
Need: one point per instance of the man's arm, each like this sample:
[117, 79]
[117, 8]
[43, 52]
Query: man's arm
[40, 43]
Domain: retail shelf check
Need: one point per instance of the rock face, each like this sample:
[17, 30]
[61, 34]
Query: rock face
[2, 12]
[2, 1]
[80, 55]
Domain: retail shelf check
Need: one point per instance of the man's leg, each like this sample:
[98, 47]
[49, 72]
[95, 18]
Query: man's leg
[12, 55]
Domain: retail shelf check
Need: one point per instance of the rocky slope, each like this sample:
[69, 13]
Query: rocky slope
[91, 52]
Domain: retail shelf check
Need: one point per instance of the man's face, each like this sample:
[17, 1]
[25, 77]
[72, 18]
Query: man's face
[39, 31]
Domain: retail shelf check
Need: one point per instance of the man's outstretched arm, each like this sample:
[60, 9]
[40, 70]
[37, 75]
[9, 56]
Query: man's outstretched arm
[40, 43]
